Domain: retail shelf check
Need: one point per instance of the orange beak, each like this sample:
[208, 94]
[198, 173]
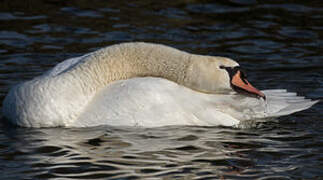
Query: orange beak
[245, 85]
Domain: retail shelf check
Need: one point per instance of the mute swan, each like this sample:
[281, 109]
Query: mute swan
[144, 84]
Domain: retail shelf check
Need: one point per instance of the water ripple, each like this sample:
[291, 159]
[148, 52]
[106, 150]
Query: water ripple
[278, 43]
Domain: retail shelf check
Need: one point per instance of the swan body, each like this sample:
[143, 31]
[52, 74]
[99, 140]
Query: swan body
[143, 84]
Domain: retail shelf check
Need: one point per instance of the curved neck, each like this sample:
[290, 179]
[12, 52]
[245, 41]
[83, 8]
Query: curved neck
[131, 60]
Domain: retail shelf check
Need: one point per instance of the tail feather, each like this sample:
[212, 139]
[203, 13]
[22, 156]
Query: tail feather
[296, 107]
[280, 102]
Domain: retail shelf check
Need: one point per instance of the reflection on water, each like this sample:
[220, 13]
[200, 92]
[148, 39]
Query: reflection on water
[278, 42]
[171, 152]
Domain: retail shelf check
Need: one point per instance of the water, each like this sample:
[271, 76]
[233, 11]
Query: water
[279, 43]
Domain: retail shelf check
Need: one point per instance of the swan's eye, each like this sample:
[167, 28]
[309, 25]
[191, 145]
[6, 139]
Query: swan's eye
[243, 74]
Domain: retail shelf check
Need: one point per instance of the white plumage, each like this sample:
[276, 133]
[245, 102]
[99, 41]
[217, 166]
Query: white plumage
[141, 84]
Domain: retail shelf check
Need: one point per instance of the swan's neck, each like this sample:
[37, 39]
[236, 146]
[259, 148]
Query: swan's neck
[127, 61]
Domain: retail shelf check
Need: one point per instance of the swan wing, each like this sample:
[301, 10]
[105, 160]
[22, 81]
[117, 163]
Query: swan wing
[151, 102]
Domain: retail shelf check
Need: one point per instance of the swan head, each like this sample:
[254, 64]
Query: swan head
[219, 75]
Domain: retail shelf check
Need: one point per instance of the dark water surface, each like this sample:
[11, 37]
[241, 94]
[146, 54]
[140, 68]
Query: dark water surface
[278, 42]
